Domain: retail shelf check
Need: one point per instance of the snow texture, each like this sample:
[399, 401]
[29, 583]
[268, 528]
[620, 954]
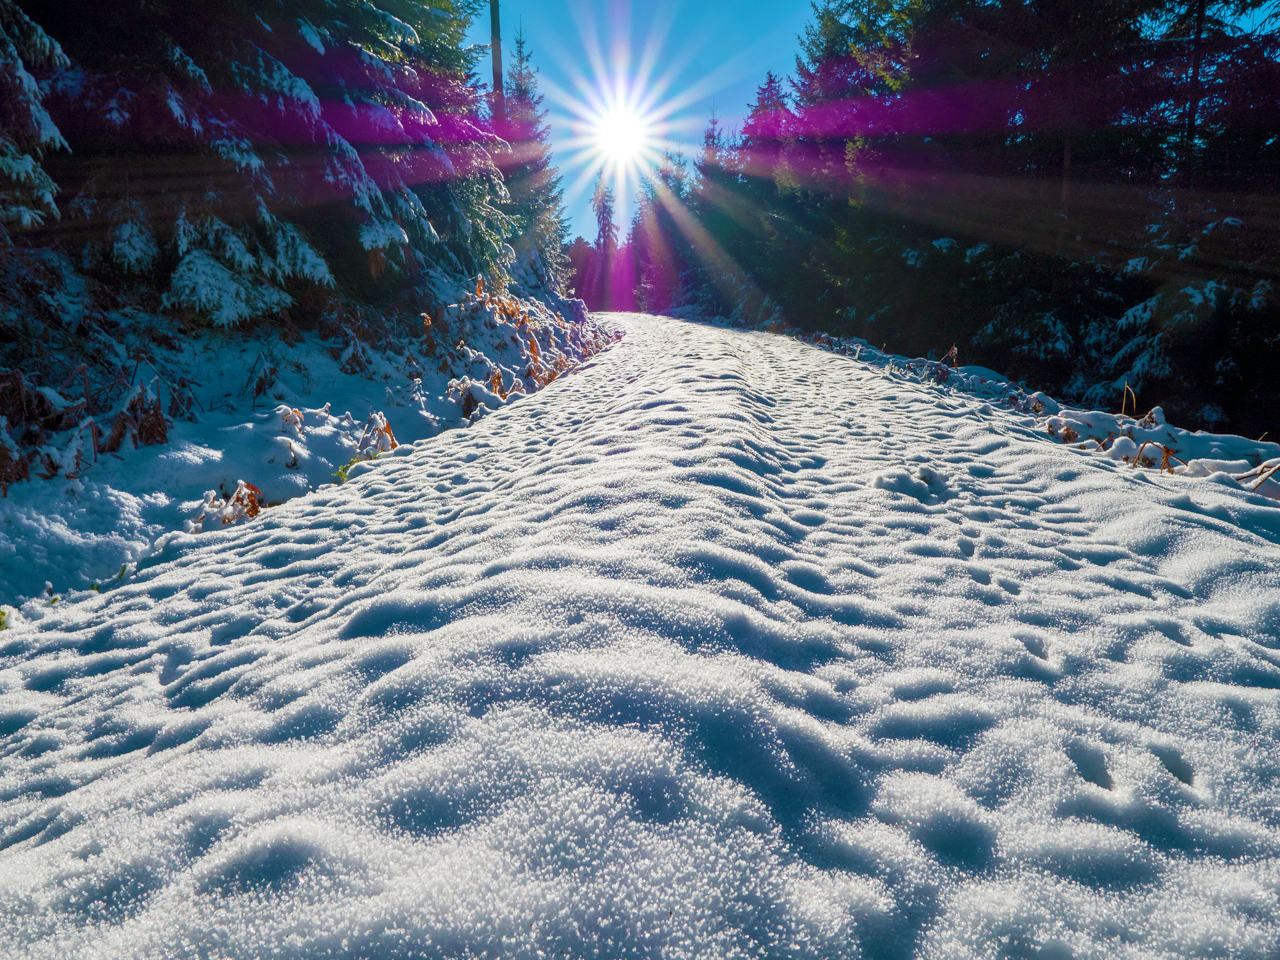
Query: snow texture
[285, 419]
[1147, 441]
[724, 646]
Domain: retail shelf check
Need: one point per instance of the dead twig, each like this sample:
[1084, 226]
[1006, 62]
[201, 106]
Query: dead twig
[1265, 477]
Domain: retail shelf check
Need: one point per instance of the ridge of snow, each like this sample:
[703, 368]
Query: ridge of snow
[1143, 442]
[305, 422]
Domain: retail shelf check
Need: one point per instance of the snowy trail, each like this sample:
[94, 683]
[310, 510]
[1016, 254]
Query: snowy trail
[722, 646]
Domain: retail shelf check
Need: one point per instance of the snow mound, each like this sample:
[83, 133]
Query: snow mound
[1146, 442]
[723, 647]
[261, 411]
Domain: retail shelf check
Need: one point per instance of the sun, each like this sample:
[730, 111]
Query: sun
[622, 123]
[622, 134]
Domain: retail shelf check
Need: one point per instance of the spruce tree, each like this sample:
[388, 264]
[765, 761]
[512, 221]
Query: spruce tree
[27, 131]
[232, 156]
[769, 115]
[603, 205]
[827, 69]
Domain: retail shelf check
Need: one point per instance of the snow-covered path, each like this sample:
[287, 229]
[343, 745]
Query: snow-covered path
[723, 646]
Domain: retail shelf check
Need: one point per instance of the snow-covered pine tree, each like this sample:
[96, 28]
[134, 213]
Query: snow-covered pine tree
[233, 155]
[534, 184]
[27, 131]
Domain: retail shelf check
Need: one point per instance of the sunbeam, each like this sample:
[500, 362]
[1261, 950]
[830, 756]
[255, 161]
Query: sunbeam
[628, 98]
[620, 126]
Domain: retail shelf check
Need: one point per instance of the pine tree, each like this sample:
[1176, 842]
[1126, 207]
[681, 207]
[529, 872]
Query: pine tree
[1206, 24]
[769, 120]
[26, 130]
[827, 69]
[233, 158]
[717, 199]
[581, 257]
[660, 251]
[603, 205]
[600, 282]
[714, 153]
[768, 117]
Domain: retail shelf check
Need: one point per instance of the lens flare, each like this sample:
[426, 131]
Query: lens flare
[621, 116]
[620, 129]
[633, 87]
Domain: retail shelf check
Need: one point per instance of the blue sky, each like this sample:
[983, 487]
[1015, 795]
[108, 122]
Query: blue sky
[682, 55]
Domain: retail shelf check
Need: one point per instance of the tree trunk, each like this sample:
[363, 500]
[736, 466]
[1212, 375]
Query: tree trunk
[499, 97]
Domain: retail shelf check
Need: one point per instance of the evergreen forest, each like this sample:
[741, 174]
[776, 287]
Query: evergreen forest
[1079, 193]
[225, 164]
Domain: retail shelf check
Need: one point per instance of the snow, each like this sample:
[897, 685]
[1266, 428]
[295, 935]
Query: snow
[133, 246]
[308, 32]
[380, 234]
[283, 418]
[188, 68]
[1146, 441]
[201, 282]
[394, 29]
[725, 645]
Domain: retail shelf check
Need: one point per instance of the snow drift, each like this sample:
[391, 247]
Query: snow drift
[271, 411]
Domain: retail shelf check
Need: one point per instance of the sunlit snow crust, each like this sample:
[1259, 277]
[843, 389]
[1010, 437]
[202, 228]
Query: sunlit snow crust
[724, 646]
[286, 432]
